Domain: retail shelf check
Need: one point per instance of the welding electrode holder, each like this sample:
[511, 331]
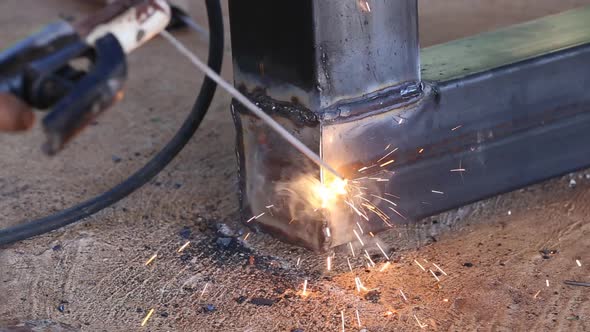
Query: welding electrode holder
[40, 72]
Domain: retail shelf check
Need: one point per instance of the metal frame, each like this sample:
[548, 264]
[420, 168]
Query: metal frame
[508, 107]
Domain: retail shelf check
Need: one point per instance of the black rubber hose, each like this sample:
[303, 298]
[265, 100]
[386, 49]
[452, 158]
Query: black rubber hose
[154, 166]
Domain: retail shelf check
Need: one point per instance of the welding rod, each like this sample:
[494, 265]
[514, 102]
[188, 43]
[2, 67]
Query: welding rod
[249, 105]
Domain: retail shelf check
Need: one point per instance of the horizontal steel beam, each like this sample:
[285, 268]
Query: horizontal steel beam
[505, 109]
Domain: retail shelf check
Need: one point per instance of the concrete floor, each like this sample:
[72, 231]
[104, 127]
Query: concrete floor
[91, 276]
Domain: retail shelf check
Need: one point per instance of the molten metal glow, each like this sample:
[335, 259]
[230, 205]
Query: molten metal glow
[329, 192]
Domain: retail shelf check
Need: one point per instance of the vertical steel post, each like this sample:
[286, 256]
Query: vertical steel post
[307, 63]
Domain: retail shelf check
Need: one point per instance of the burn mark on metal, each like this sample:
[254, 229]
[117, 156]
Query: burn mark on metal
[298, 114]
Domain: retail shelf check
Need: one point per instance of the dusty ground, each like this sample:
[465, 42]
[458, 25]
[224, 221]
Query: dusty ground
[91, 276]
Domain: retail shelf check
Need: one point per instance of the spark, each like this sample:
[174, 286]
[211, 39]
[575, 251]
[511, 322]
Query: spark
[400, 121]
[441, 270]
[151, 259]
[184, 246]
[458, 170]
[378, 212]
[358, 318]
[384, 267]
[328, 234]
[352, 249]
[147, 317]
[387, 147]
[537, 294]
[329, 263]
[342, 316]
[459, 126]
[255, 217]
[369, 258]
[304, 292]
[358, 237]
[437, 192]
[421, 150]
[387, 163]
[368, 7]
[403, 295]
[420, 265]
[392, 195]
[384, 199]
[359, 284]
[387, 155]
[382, 251]
[204, 289]
[247, 236]
[434, 275]
[578, 262]
[420, 323]
[399, 214]
[349, 266]
[298, 261]
[360, 228]
[270, 206]
[388, 313]
[362, 169]
[371, 233]
[547, 282]
[356, 210]
[445, 300]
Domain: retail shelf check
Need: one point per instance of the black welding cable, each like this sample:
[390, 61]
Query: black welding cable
[154, 166]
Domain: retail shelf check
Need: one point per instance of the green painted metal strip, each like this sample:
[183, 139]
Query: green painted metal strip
[489, 50]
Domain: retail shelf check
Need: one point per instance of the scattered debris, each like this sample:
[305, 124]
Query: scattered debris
[116, 159]
[209, 308]
[468, 264]
[223, 242]
[547, 253]
[261, 301]
[241, 299]
[223, 230]
[373, 296]
[572, 183]
[62, 306]
[185, 232]
[57, 247]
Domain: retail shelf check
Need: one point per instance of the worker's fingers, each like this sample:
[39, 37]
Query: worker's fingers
[14, 114]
